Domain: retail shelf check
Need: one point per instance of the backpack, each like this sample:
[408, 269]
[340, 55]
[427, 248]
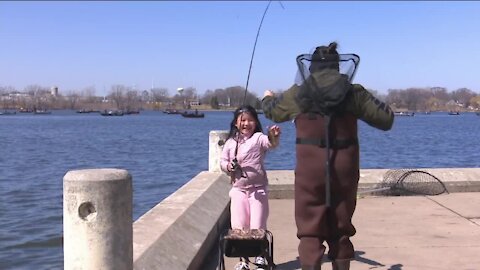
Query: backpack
[323, 92]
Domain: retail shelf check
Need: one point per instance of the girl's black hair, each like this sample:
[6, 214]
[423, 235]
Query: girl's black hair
[244, 109]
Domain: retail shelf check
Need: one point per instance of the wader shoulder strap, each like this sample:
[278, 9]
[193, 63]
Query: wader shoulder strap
[327, 164]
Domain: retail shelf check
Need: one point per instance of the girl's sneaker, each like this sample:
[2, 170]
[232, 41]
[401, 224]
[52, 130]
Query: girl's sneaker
[261, 263]
[241, 266]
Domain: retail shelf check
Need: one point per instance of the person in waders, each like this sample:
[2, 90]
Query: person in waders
[325, 106]
[243, 158]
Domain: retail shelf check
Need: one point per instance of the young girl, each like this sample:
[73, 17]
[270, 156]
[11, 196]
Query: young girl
[243, 159]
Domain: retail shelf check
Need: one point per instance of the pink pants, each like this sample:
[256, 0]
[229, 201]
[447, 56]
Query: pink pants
[249, 209]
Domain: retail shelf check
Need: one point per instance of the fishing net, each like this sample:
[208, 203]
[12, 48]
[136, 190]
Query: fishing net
[404, 182]
[347, 65]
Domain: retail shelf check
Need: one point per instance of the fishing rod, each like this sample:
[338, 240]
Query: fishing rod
[235, 165]
[254, 47]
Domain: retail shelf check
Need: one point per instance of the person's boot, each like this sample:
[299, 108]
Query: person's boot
[341, 264]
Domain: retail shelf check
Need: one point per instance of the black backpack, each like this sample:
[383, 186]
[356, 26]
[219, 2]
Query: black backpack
[323, 92]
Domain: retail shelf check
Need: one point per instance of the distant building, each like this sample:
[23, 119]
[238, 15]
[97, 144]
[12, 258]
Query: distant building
[194, 103]
[54, 91]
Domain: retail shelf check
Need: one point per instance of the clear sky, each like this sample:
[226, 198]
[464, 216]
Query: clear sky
[208, 44]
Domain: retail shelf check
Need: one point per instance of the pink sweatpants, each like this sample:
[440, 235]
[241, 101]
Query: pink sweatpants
[249, 209]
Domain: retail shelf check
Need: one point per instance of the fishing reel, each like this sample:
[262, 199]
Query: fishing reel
[235, 165]
[237, 168]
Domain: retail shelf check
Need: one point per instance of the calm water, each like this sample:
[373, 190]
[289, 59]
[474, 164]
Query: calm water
[162, 152]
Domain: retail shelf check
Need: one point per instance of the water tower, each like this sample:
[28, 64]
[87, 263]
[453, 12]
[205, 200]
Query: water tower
[54, 91]
[180, 91]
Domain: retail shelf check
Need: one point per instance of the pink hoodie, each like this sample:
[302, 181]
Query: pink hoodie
[250, 155]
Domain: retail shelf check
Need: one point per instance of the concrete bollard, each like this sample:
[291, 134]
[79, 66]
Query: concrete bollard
[216, 141]
[97, 219]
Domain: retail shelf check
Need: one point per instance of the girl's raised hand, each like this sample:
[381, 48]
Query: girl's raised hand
[274, 130]
[273, 135]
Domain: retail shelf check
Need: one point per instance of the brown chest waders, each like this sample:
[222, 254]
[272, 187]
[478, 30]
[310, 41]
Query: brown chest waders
[325, 186]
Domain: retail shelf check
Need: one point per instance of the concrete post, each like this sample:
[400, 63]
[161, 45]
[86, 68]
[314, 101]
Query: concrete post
[216, 141]
[97, 219]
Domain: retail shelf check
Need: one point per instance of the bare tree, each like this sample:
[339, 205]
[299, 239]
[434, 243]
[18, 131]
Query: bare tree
[145, 97]
[39, 96]
[222, 97]
[132, 100]
[184, 96]
[72, 99]
[395, 99]
[433, 104]
[7, 90]
[252, 99]
[88, 94]
[8, 97]
[235, 94]
[206, 98]
[159, 94]
[231, 97]
[190, 93]
[463, 96]
[117, 94]
[475, 102]
[440, 93]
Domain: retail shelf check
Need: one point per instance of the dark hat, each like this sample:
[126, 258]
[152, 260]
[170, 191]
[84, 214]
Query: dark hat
[325, 57]
[326, 53]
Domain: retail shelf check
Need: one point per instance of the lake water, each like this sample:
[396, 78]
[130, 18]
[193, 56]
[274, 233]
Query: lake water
[162, 152]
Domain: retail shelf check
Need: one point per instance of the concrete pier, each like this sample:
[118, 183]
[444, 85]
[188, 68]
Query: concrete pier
[97, 219]
[182, 231]
[179, 232]
[188, 223]
[216, 141]
[393, 233]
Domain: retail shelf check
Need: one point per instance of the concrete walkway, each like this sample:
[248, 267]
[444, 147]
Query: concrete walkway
[395, 233]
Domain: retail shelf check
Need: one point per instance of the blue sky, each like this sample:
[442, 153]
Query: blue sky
[208, 44]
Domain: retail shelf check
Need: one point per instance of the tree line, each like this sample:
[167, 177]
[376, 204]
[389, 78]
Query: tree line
[433, 99]
[127, 98]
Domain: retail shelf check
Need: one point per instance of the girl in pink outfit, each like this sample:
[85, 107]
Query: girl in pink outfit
[243, 159]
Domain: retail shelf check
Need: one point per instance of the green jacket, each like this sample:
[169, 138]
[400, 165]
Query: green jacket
[360, 102]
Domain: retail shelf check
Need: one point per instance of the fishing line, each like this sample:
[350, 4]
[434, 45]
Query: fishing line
[237, 133]
[253, 52]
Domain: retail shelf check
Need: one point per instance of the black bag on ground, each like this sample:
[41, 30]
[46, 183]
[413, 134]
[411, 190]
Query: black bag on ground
[246, 243]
